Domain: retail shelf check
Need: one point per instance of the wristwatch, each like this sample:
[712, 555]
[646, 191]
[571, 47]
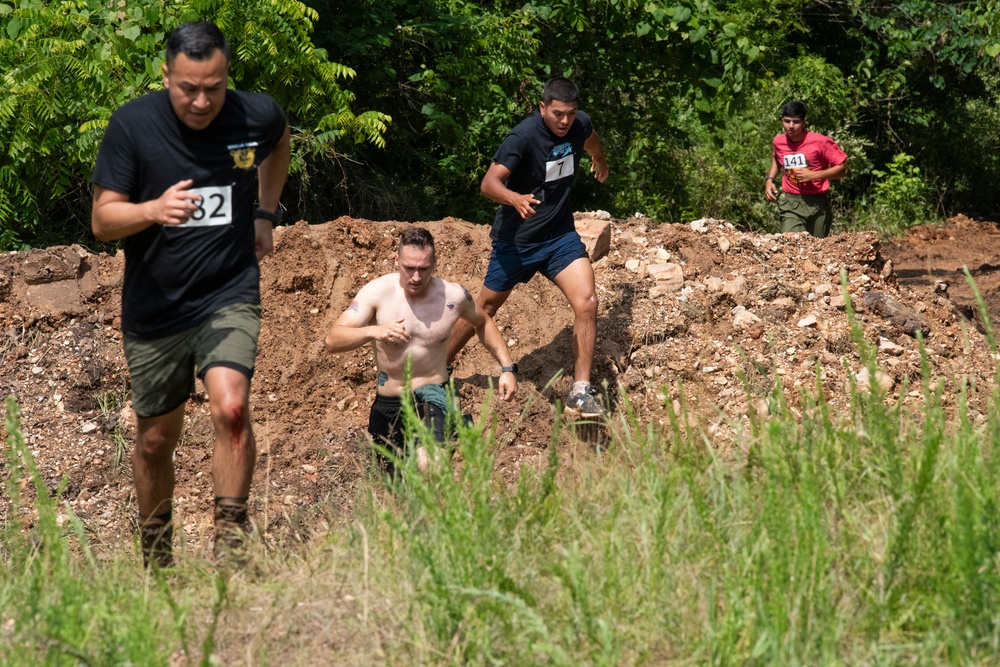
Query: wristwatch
[273, 216]
[768, 178]
[509, 369]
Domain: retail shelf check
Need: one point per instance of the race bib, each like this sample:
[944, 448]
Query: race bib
[556, 169]
[215, 208]
[795, 161]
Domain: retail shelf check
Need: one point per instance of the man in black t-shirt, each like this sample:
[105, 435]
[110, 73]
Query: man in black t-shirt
[531, 177]
[176, 177]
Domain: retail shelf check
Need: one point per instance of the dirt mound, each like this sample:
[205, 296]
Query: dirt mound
[720, 313]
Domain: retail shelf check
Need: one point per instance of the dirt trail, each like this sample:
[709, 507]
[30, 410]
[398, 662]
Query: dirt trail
[730, 313]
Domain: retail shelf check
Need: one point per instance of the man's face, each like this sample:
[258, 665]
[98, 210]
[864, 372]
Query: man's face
[197, 88]
[794, 127]
[416, 268]
[558, 116]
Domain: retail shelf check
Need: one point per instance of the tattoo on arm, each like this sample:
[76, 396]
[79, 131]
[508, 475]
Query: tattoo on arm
[354, 307]
[383, 378]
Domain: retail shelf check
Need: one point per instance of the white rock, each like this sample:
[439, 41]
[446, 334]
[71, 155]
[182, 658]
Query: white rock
[807, 321]
[743, 318]
[887, 346]
[669, 276]
[308, 469]
[736, 286]
[89, 427]
[700, 225]
[884, 380]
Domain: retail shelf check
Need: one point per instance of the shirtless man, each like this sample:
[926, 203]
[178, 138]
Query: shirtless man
[408, 316]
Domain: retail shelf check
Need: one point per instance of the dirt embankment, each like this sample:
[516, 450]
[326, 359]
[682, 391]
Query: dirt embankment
[722, 312]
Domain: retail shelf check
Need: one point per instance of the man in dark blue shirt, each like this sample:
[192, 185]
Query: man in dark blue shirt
[531, 178]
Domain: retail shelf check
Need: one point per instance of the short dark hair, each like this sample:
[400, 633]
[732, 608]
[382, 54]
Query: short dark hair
[794, 109]
[560, 88]
[417, 237]
[198, 40]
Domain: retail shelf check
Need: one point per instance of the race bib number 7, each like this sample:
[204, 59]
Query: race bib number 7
[795, 161]
[215, 208]
[556, 169]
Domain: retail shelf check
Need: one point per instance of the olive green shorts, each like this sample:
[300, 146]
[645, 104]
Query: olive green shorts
[163, 369]
[805, 213]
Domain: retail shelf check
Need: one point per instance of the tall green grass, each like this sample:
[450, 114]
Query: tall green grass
[859, 536]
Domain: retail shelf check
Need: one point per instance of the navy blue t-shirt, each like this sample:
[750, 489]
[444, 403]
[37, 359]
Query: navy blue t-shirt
[540, 163]
[176, 276]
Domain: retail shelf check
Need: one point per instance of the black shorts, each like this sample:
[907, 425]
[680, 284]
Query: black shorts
[385, 421]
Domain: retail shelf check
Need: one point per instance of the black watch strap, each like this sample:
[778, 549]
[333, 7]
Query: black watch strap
[509, 369]
[273, 216]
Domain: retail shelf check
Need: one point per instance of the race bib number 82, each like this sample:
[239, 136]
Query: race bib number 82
[215, 208]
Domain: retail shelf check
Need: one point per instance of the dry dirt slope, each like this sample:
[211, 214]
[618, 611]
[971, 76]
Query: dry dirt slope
[727, 304]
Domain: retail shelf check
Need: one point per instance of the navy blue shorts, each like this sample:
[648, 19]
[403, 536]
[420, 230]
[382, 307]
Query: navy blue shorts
[511, 263]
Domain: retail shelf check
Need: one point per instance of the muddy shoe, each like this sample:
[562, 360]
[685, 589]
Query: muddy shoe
[583, 402]
[230, 529]
[157, 534]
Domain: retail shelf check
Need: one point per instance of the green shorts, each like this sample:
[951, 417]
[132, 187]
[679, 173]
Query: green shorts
[805, 213]
[163, 369]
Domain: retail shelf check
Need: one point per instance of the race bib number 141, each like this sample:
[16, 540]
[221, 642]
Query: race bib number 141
[795, 161]
[215, 208]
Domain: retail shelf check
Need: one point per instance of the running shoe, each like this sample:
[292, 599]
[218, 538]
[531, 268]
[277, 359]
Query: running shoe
[585, 403]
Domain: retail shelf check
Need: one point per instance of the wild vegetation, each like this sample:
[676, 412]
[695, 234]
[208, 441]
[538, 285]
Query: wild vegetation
[397, 106]
[864, 537]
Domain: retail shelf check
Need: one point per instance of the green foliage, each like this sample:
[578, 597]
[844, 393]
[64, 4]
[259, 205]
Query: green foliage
[67, 66]
[684, 96]
[900, 197]
[59, 605]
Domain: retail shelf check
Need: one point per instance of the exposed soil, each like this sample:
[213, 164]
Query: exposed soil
[742, 311]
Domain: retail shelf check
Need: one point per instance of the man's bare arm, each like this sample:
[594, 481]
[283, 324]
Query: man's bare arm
[830, 173]
[492, 340]
[599, 162]
[354, 327]
[114, 216]
[494, 189]
[271, 175]
[770, 186]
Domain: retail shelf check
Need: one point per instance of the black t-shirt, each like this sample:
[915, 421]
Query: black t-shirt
[540, 162]
[175, 277]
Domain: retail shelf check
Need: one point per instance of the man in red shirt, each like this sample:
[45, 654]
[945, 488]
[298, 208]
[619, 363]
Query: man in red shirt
[808, 162]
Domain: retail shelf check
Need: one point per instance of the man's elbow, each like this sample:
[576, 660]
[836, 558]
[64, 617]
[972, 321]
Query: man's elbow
[100, 231]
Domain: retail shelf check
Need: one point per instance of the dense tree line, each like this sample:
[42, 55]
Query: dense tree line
[398, 106]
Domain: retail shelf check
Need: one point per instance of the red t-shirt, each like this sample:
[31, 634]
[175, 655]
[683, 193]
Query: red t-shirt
[815, 152]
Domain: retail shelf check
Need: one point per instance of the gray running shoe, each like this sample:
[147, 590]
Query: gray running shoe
[585, 403]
